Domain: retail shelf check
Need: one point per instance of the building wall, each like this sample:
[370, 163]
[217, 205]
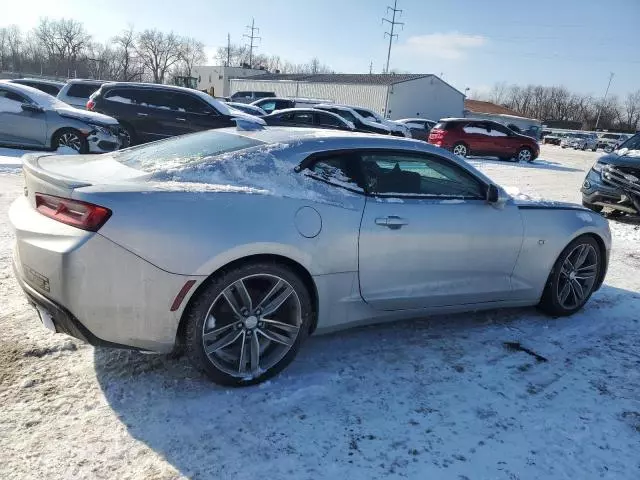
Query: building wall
[219, 77]
[370, 96]
[427, 97]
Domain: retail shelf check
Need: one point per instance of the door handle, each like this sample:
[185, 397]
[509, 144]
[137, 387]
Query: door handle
[143, 114]
[181, 119]
[392, 221]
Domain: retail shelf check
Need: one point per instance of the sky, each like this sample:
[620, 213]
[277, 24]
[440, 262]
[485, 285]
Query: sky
[471, 43]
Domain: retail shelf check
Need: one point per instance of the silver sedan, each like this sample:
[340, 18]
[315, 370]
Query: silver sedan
[235, 245]
[32, 118]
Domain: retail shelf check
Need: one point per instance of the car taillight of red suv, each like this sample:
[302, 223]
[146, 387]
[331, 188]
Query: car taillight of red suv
[437, 136]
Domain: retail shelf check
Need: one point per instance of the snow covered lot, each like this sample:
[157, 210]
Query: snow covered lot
[439, 398]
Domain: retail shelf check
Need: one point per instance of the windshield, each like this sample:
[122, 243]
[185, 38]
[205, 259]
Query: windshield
[611, 136]
[180, 151]
[366, 114]
[632, 144]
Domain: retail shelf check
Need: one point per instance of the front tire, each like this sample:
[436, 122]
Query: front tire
[524, 155]
[573, 278]
[247, 324]
[70, 138]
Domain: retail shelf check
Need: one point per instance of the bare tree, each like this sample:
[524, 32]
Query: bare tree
[129, 67]
[498, 92]
[158, 52]
[191, 54]
[630, 112]
[14, 44]
[232, 55]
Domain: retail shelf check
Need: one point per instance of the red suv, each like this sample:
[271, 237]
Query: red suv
[464, 136]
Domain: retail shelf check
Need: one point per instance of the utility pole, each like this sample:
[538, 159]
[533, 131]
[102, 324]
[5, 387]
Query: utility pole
[604, 99]
[395, 10]
[252, 37]
[228, 50]
[370, 68]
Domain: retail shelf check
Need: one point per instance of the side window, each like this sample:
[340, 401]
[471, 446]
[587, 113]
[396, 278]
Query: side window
[190, 104]
[303, 117]
[405, 174]
[50, 89]
[11, 102]
[498, 130]
[269, 106]
[121, 95]
[158, 99]
[328, 120]
[341, 169]
[477, 128]
[282, 104]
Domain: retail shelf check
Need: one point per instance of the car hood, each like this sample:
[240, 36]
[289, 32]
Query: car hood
[622, 158]
[86, 116]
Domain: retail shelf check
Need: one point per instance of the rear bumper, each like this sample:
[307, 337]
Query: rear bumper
[64, 321]
[94, 289]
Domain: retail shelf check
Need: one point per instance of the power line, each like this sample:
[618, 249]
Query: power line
[252, 37]
[393, 23]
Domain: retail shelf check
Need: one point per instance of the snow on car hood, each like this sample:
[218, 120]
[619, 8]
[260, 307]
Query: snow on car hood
[85, 115]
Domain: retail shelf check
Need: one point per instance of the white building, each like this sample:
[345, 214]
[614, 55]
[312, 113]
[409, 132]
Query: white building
[392, 95]
[217, 77]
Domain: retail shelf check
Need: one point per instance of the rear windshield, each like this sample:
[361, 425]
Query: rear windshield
[180, 151]
[82, 90]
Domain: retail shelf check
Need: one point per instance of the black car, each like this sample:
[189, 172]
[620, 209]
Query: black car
[307, 117]
[349, 115]
[614, 180]
[47, 86]
[151, 112]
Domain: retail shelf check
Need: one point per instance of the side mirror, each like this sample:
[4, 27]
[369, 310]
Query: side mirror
[493, 194]
[29, 107]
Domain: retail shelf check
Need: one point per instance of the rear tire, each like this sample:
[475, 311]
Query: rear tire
[72, 138]
[573, 277]
[460, 149]
[237, 307]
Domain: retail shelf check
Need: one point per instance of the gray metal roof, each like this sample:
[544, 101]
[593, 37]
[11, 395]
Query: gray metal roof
[352, 78]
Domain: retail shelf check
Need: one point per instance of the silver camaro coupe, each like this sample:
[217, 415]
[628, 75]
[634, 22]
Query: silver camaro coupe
[234, 245]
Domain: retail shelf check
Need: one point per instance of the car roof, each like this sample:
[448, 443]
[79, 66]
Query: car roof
[305, 109]
[38, 80]
[73, 81]
[416, 119]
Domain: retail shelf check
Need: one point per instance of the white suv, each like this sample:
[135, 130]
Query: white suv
[77, 92]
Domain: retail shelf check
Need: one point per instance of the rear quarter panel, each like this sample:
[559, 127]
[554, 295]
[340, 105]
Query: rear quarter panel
[547, 231]
[196, 233]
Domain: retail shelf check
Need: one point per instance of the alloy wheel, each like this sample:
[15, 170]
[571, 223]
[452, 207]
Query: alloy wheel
[252, 325]
[524, 155]
[460, 150]
[577, 276]
[71, 140]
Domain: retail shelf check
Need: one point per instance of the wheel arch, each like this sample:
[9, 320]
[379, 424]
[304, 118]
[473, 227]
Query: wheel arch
[295, 266]
[58, 131]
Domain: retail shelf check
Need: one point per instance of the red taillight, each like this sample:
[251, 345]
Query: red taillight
[91, 104]
[86, 216]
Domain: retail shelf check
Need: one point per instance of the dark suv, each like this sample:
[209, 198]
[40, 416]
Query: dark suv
[466, 136]
[614, 180]
[151, 112]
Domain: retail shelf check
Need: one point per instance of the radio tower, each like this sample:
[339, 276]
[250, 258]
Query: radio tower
[394, 10]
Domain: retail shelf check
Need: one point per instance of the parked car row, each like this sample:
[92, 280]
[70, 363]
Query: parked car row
[33, 118]
[580, 141]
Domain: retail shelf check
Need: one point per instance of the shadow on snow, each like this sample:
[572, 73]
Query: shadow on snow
[375, 401]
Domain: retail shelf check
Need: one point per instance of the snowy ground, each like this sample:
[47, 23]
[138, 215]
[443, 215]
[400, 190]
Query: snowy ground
[438, 398]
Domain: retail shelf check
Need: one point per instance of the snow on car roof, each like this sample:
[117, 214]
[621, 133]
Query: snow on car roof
[41, 98]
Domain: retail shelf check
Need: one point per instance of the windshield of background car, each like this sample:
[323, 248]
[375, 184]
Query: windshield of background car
[181, 151]
[632, 144]
[611, 136]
